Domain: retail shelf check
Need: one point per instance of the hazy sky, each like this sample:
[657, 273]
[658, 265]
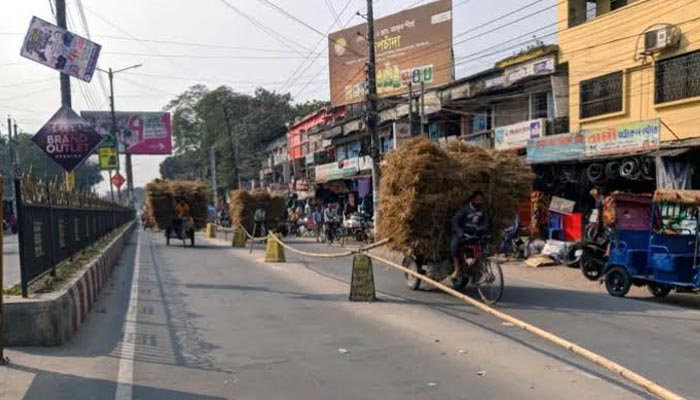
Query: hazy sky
[229, 49]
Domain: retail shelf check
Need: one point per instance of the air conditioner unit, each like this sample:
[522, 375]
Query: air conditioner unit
[661, 39]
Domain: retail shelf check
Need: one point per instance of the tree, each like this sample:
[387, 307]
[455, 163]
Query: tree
[185, 121]
[185, 166]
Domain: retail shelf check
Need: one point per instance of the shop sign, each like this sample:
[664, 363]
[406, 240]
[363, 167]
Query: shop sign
[485, 84]
[567, 146]
[336, 170]
[516, 136]
[562, 206]
[627, 138]
[364, 163]
[541, 66]
[402, 133]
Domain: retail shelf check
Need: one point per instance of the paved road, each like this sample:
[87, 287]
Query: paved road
[10, 256]
[217, 323]
[657, 340]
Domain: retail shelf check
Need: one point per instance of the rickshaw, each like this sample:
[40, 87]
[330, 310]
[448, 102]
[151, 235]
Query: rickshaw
[656, 247]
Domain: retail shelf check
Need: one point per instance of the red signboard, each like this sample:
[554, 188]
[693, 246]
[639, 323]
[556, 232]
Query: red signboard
[118, 180]
[137, 132]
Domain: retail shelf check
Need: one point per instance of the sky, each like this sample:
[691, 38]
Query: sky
[241, 43]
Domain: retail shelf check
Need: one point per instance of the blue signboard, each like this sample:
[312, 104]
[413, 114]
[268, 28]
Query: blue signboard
[567, 146]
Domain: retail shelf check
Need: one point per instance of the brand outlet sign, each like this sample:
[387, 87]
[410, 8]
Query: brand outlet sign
[515, 136]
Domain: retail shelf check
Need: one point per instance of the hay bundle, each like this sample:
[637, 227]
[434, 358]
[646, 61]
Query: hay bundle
[161, 197]
[423, 186]
[244, 204]
[160, 204]
[195, 194]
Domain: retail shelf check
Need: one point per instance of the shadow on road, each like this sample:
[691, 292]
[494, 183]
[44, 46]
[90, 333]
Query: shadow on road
[54, 385]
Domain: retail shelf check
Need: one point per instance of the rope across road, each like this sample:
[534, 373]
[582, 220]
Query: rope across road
[631, 376]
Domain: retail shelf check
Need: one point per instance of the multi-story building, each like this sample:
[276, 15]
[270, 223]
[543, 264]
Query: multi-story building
[632, 60]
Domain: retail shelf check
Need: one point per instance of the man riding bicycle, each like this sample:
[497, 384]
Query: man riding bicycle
[470, 220]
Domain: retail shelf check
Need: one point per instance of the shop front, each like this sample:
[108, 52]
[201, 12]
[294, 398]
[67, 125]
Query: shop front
[568, 166]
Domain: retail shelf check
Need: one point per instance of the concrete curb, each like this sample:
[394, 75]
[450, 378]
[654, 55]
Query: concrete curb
[51, 319]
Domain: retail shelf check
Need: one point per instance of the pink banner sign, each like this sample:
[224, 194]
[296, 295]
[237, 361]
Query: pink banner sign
[137, 132]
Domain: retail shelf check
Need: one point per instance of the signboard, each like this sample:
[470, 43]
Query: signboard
[402, 133]
[118, 180]
[515, 136]
[137, 132]
[567, 146]
[60, 49]
[562, 206]
[628, 138]
[414, 45]
[67, 139]
[108, 158]
[540, 66]
[337, 170]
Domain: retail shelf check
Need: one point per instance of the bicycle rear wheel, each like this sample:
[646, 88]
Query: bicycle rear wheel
[490, 284]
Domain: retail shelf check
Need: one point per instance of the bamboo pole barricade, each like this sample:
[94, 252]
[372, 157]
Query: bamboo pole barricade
[631, 376]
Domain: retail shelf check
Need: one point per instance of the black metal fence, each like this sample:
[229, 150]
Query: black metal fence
[55, 224]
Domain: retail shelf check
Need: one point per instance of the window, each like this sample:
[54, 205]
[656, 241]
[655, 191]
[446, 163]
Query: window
[542, 106]
[615, 4]
[678, 78]
[602, 95]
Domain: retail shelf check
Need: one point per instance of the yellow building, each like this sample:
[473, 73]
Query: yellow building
[632, 60]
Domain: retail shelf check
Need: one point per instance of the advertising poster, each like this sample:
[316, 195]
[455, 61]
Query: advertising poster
[67, 139]
[414, 45]
[108, 158]
[60, 49]
[137, 132]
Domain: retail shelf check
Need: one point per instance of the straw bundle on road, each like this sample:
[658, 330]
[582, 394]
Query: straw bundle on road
[160, 204]
[423, 186]
[195, 195]
[244, 204]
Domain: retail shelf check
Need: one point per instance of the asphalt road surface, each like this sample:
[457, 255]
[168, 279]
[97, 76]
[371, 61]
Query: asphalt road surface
[10, 256]
[218, 323]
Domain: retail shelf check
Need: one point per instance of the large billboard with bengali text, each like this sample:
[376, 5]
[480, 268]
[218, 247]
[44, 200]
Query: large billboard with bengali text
[137, 132]
[414, 45]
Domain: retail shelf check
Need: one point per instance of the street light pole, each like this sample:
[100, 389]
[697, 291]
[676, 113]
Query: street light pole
[129, 170]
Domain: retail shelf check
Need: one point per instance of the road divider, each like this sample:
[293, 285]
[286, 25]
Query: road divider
[363, 281]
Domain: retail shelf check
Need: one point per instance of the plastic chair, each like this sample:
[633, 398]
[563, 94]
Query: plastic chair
[556, 226]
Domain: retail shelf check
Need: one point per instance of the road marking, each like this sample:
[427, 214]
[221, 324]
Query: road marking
[125, 377]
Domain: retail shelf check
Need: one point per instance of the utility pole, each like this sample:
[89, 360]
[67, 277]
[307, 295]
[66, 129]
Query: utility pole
[422, 110]
[372, 110]
[212, 160]
[17, 158]
[410, 107]
[110, 74]
[66, 100]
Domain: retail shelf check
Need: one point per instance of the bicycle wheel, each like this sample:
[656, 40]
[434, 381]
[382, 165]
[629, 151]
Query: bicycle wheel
[490, 284]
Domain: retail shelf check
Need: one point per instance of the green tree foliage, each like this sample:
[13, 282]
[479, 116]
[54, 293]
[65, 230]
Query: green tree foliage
[86, 176]
[238, 126]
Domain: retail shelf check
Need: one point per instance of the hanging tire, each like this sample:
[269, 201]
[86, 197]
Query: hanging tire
[571, 174]
[595, 172]
[630, 169]
[618, 282]
[612, 170]
[648, 168]
[411, 263]
[658, 291]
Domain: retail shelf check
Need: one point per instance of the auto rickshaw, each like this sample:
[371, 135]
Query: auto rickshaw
[656, 247]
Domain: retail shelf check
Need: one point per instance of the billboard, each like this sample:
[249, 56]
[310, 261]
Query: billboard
[137, 132]
[60, 49]
[414, 45]
[67, 139]
[627, 138]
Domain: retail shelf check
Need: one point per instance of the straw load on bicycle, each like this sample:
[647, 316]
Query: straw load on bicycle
[244, 204]
[162, 196]
[423, 186]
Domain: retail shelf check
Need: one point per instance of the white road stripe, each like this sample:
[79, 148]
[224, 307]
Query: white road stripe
[125, 378]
